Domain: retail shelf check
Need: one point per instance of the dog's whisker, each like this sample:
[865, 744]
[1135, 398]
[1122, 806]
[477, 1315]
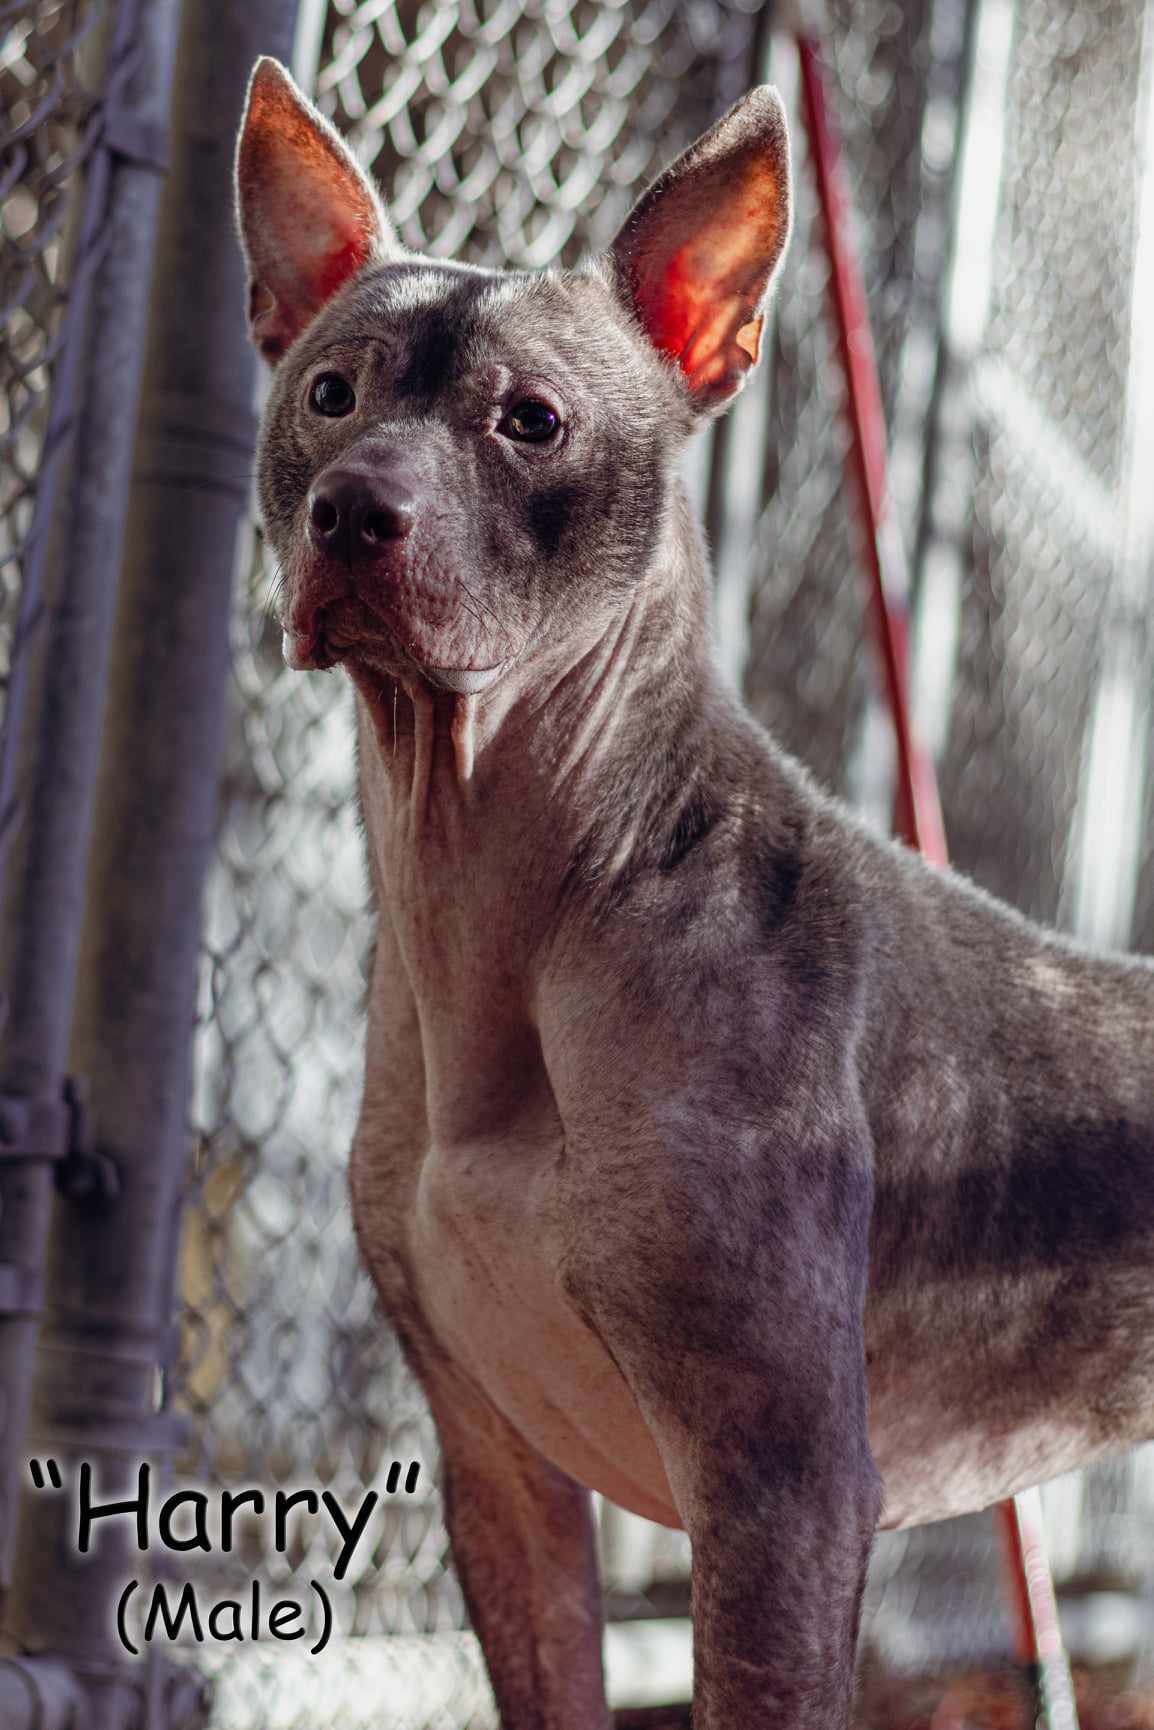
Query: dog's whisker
[481, 602]
[274, 595]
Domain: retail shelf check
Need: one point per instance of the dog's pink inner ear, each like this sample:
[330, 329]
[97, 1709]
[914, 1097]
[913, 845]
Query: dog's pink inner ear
[309, 216]
[699, 253]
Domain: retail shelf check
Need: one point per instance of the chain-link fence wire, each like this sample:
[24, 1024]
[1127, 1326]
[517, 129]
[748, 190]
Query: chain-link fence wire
[516, 132]
[1051, 403]
[519, 132]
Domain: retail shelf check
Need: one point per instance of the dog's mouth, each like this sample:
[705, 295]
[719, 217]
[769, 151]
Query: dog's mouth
[465, 681]
[335, 636]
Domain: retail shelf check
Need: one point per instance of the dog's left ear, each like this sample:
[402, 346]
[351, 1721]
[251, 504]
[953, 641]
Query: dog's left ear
[309, 215]
[696, 259]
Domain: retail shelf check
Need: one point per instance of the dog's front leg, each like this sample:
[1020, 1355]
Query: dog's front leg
[781, 1529]
[522, 1540]
[730, 1291]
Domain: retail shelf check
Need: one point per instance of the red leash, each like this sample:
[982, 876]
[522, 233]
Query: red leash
[917, 811]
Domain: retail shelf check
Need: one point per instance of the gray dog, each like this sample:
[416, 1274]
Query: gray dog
[714, 1153]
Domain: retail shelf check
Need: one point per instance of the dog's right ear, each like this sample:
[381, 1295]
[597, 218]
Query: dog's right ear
[309, 216]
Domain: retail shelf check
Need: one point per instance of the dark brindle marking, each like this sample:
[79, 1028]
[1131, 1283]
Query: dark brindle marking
[693, 1112]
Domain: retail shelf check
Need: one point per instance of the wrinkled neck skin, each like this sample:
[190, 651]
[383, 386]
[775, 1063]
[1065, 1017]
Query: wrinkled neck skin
[566, 768]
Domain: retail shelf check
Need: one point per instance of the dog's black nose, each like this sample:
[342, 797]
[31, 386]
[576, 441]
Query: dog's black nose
[355, 513]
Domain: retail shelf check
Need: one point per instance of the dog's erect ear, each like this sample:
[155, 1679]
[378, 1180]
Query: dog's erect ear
[696, 258]
[309, 216]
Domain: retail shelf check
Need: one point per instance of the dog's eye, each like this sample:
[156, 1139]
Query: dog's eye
[332, 395]
[531, 422]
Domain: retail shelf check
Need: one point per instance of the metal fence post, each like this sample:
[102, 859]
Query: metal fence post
[107, 1329]
[59, 659]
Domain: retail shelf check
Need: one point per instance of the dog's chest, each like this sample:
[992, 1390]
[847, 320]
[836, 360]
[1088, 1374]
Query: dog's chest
[486, 1243]
[478, 1205]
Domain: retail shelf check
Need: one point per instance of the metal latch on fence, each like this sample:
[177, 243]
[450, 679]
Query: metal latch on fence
[54, 1127]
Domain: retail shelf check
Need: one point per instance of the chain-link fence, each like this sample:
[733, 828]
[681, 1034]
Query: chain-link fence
[1052, 397]
[519, 131]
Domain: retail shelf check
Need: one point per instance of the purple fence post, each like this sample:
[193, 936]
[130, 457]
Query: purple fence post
[107, 1331]
[63, 629]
